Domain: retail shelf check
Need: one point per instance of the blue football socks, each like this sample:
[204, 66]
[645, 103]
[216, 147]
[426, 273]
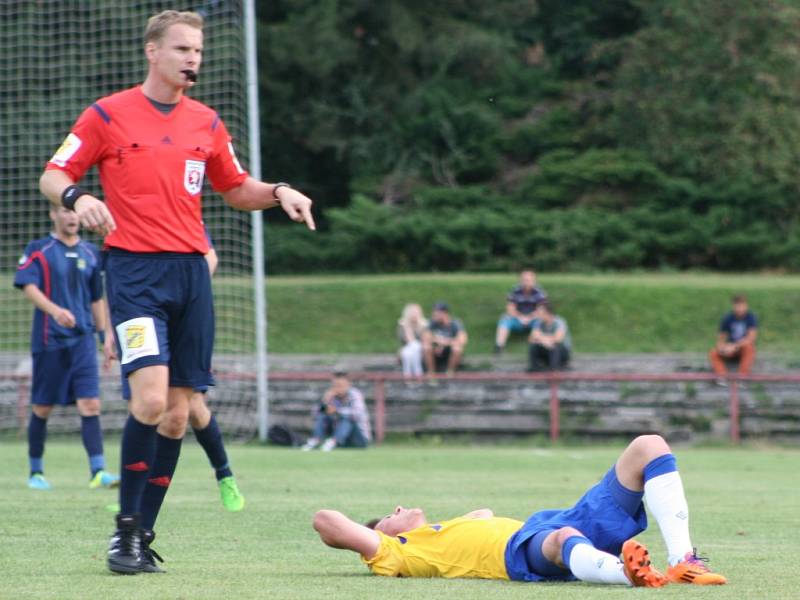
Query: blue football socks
[92, 436]
[210, 438]
[137, 453]
[167, 452]
[37, 432]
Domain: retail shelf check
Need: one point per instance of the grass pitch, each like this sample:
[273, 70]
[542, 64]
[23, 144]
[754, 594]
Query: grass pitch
[52, 544]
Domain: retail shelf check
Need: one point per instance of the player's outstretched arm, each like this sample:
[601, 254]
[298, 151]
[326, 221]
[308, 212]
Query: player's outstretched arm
[337, 531]
[253, 194]
[92, 212]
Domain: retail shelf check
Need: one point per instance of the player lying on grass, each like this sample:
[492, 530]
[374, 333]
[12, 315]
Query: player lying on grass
[583, 542]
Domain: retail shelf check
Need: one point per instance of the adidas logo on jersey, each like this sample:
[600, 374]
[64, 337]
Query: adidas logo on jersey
[166, 140]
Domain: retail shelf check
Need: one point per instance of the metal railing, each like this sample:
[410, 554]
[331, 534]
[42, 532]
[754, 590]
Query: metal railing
[553, 380]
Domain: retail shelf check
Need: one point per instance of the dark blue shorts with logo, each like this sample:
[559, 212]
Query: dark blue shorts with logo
[163, 313]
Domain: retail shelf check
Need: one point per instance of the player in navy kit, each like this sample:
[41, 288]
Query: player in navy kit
[60, 274]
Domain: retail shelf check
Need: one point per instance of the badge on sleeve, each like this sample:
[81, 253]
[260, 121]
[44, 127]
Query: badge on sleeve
[193, 176]
[67, 150]
[235, 160]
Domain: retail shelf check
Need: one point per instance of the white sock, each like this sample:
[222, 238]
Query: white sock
[667, 504]
[589, 564]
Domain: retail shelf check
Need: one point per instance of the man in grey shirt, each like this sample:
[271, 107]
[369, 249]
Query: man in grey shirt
[549, 343]
[341, 419]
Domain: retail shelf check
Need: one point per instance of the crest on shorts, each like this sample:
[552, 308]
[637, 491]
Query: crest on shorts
[134, 336]
[193, 176]
[137, 338]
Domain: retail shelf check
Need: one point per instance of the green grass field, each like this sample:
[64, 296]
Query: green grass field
[52, 544]
[335, 314]
[606, 313]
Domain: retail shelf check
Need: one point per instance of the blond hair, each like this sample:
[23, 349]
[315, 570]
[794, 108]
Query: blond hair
[413, 317]
[157, 25]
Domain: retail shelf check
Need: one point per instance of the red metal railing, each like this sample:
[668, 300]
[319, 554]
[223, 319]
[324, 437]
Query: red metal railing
[553, 380]
[379, 379]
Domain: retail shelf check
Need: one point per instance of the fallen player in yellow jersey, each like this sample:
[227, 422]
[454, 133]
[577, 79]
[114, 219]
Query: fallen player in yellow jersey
[583, 542]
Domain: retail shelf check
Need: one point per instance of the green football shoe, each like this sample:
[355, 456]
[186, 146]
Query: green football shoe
[104, 479]
[232, 498]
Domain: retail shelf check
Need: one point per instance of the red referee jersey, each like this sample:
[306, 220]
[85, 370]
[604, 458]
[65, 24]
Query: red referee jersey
[152, 167]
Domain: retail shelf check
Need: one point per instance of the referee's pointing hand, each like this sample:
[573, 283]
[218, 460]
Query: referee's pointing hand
[297, 206]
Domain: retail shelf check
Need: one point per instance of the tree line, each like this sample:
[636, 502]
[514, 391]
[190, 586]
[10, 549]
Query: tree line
[574, 136]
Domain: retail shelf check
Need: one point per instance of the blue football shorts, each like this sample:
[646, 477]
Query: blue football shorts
[163, 313]
[67, 374]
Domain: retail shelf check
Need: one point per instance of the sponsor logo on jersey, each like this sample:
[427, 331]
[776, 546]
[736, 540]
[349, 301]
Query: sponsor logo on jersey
[67, 150]
[134, 336]
[193, 176]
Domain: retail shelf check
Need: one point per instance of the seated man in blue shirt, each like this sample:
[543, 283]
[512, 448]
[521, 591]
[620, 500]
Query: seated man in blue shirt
[736, 340]
[521, 305]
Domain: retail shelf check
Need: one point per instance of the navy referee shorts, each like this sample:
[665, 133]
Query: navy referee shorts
[163, 313]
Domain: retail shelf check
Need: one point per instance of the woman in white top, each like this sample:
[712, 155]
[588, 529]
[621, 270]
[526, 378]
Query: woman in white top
[409, 330]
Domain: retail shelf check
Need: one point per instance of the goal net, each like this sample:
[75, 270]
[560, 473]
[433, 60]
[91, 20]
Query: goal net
[56, 58]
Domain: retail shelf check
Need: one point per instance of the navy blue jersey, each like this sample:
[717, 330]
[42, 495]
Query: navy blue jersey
[526, 301]
[70, 277]
[737, 328]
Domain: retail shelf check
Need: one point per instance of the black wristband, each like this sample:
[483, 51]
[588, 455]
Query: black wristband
[70, 195]
[276, 187]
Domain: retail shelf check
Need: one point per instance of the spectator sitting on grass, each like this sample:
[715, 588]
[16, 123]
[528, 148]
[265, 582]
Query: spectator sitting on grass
[341, 418]
[521, 305]
[550, 342]
[444, 341]
[736, 340]
[410, 327]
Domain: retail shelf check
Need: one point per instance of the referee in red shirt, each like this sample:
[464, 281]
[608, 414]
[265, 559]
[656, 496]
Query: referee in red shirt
[153, 147]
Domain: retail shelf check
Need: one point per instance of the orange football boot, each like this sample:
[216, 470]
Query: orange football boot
[638, 568]
[692, 569]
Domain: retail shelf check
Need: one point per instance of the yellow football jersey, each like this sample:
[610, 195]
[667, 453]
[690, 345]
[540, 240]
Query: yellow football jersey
[462, 547]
